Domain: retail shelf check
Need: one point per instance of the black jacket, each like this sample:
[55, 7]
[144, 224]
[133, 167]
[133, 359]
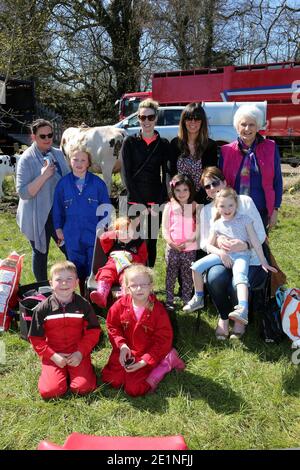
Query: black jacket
[150, 183]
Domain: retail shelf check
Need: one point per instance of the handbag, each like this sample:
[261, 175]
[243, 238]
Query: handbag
[30, 295]
[271, 327]
[26, 309]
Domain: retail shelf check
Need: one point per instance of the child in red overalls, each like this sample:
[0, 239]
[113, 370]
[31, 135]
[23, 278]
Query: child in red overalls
[122, 249]
[63, 332]
[141, 335]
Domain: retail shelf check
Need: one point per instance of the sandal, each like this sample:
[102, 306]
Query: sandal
[220, 332]
[238, 331]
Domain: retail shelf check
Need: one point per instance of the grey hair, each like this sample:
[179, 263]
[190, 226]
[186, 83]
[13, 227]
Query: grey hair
[248, 111]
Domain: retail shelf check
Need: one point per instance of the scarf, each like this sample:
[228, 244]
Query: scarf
[249, 161]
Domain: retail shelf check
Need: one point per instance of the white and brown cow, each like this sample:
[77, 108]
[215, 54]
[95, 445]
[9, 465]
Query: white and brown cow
[7, 167]
[104, 144]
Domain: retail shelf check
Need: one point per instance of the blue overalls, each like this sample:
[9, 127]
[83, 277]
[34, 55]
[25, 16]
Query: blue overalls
[75, 213]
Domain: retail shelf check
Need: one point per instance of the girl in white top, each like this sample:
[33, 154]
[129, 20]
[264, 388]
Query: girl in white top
[233, 225]
[219, 281]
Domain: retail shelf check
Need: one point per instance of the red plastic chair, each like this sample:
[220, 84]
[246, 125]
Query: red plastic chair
[76, 441]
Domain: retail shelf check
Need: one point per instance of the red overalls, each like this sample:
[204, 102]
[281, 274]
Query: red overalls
[149, 339]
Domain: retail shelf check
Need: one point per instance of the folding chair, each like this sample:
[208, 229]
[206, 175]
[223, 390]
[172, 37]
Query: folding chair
[99, 260]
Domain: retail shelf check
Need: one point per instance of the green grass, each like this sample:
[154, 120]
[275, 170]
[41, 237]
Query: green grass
[231, 396]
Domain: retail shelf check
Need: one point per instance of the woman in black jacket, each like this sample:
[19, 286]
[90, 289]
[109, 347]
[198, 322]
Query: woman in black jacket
[145, 161]
[192, 150]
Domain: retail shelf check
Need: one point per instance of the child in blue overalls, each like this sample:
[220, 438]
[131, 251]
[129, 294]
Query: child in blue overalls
[77, 201]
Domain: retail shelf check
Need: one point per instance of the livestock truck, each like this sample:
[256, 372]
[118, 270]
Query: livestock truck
[277, 83]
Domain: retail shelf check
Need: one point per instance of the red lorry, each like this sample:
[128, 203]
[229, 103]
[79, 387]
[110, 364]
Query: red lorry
[278, 83]
[129, 102]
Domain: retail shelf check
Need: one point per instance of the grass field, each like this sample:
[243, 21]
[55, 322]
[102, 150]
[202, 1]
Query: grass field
[231, 396]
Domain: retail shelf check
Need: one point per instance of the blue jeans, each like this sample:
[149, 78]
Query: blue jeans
[240, 266]
[39, 260]
[221, 289]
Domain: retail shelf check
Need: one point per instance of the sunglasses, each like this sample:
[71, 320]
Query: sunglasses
[45, 136]
[151, 117]
[213, 184]
[193, 118]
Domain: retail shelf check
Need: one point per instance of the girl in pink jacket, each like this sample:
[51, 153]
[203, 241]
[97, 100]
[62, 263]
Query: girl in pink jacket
[179, 231]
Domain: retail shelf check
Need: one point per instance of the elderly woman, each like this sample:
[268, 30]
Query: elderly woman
[39, 169]
[219, 278]
[145, 158]
[192, 150]
[251, 164]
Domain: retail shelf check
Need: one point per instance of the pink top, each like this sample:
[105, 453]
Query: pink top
[138, 311]
[182, 225]
[149, 140]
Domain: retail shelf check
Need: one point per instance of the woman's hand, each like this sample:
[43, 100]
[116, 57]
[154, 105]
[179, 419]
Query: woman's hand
[136, 366]
[226, 260]
[125, 353]
[273, 219]
[48, 170]
[231, 245]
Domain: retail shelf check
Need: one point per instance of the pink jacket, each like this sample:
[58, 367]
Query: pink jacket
[182, 226]
[265, 154]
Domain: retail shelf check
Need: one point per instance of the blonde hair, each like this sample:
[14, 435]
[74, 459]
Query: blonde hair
[225, 193]
[149, 103]
[136, 269]
[80, 148]
[63, 266]
[121, 222]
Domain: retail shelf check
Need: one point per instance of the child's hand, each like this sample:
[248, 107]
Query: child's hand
[266, 267]
[226, 260]
[59, 359]
[74, 359]
[125, 353]
[136, 366]
[176, 247]
[60, 235]
[181, 246]
[128, 255]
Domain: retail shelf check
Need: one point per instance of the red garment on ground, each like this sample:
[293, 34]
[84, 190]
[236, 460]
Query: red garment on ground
[149, 339]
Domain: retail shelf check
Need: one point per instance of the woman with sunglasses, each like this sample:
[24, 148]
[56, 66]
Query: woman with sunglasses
[144, 159]
[38, 171]
[219, 278]
[192, 150]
